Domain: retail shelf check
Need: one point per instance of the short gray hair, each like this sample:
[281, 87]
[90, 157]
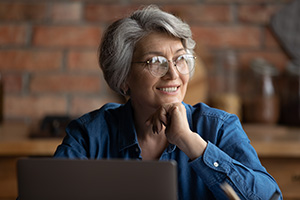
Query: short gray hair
[119, 40]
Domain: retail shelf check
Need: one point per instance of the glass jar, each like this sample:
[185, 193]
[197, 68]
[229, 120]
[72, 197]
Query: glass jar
[290, 95]
[225, 94]
[262, 99]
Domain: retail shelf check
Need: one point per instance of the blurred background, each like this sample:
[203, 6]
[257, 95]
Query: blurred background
[247, 64]
[48, 50]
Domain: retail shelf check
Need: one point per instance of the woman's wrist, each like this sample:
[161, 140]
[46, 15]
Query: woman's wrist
[192, 145]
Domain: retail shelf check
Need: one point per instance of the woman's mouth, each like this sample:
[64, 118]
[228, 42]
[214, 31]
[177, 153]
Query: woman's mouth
[168, 89]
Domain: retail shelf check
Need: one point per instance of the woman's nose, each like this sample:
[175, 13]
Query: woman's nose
[172, 71]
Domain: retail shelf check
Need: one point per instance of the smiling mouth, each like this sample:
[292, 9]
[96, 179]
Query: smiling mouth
[169, 89]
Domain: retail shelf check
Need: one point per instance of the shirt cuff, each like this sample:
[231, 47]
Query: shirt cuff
[213, 166]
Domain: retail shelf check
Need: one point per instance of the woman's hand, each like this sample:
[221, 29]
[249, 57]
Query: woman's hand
[172, 120]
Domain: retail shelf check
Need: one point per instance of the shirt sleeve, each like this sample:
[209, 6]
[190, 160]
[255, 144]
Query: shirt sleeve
[73, 144]
[235, 161]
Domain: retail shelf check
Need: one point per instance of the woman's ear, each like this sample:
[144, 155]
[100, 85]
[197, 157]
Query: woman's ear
[125, 88]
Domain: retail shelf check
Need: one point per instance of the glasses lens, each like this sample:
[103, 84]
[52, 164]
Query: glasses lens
[185, 64]
[158, 66]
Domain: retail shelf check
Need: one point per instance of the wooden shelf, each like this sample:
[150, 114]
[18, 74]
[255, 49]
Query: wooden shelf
[14, 144]
[268, 140]
[15, 141]
[274, 140]
[278, 148]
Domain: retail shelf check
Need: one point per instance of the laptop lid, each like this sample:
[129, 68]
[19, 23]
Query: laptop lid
[48, 178]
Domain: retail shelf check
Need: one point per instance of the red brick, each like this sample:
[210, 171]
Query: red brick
[66, 36]
[277, 58]
[259, 14]
[66, 12]
[270, 39]
[200, 13]
[18, 106]
[22, 11]
[81, 105]
[32, 60]
[225, 36]
[106, 12]
[59, 83]
[83, 61]
[61, 25]
[12, 34]
[12, 83]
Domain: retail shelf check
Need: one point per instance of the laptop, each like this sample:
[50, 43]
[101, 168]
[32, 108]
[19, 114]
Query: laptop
[63, 179]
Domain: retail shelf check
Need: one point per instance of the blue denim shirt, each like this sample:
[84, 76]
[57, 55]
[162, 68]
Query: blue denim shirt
[110, 133]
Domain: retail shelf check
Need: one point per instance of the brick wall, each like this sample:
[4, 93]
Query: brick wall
[48, 49]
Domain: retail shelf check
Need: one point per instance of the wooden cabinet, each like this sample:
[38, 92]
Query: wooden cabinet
[279, 151]
[14, 144]
[278, 148]
[286, 172]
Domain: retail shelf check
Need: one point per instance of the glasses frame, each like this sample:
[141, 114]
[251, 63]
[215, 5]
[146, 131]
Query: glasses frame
[148, 63]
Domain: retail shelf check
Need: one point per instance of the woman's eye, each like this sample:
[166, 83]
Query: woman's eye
[154, 60]
[180, 59]
[158, 60]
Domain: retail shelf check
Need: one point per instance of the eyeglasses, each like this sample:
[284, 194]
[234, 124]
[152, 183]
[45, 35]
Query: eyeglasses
[159, 65]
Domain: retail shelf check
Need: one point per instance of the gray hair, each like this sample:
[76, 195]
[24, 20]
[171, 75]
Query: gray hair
[119, 40]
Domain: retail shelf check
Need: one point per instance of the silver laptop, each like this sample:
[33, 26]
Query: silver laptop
[62, 179]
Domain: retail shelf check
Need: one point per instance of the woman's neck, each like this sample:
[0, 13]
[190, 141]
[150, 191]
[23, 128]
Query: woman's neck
[140, 115]
[152, 144]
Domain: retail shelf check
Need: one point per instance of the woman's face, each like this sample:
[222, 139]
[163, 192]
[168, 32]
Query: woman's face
[148, 90]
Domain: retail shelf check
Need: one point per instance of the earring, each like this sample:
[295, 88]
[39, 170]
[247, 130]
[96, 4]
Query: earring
[125, 93]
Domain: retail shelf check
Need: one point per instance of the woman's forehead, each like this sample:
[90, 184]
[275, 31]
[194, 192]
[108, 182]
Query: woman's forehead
[158, 43]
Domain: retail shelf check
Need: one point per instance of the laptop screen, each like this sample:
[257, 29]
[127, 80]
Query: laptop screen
[48, 178]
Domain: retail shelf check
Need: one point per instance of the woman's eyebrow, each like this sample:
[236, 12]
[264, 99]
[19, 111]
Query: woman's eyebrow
[182, 49]
[153, 53]
[161, 53]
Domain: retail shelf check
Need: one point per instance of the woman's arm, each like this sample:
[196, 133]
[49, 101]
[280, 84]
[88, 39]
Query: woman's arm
[231, 159]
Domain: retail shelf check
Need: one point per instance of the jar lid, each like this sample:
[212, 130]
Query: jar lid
[263, 67]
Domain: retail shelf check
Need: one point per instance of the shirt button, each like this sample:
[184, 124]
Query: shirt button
[216, 164]
[136, 149]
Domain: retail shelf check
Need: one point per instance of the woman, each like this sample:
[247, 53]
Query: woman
[149, 58]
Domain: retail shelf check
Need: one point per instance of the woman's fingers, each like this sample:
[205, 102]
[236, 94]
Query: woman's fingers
[156, 123]
[161, 118]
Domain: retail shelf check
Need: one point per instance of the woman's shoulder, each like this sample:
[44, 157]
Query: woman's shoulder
[107, 112]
